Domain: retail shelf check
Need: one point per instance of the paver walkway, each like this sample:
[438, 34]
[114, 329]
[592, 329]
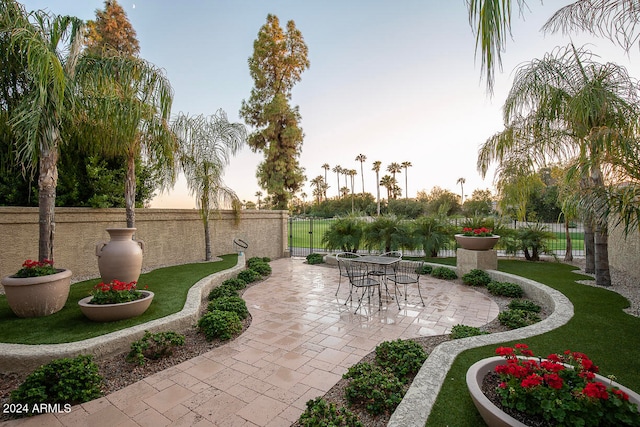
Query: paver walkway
[301, 340]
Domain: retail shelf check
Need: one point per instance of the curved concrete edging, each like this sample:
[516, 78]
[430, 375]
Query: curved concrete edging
[419, 399]
[26, 357]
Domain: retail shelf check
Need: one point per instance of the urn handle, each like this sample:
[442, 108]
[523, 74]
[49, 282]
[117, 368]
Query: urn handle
[99, 247]
[141, 244]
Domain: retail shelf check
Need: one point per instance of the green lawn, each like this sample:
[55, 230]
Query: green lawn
[599, 329]
[170, 285]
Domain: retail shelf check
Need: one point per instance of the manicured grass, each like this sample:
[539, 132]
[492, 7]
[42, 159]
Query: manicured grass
[170, 285]
[599, 329]
[299, 236]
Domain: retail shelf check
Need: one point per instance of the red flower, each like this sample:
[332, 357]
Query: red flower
[550, 366]
[621, 394]
[596, 390]
[504, 385]
[531, 381]
[504, 351]
[553, 381]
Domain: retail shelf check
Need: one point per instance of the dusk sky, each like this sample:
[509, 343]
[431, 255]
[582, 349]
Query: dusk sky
[395, 81]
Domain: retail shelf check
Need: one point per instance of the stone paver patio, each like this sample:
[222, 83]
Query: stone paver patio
[301, 340]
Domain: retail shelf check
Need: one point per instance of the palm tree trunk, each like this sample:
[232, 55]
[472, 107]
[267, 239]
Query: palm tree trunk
[378, 193]
[207, 238]
[589, 247]
[568, 254]
[130, 191]
[601, 237]
[47, 182]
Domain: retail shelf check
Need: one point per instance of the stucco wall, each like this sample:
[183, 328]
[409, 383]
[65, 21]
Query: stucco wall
[171, 236]
[624, 252]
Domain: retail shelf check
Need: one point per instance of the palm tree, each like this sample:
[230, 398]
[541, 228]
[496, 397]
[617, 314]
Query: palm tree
[129, 103]
[258, 195]
[338, 170]
[568, 108]
[326, 167]
[394, 168]
[49, 47]
[344, 191]
[361, 158]
[388, 182]
[461, 181]
[207, 144]
[318, 183]
[303, 196]
[352, 173]
[376, 168]
[406, 165]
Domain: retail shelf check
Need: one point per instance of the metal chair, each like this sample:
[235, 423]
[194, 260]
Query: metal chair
[406, 273]
[340, 257]
[382, 271]
[359, 278]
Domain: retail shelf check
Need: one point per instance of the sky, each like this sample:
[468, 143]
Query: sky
[394, 80]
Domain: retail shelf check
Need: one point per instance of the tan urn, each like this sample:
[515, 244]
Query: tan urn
[121, 257]
[114, 312]
[474, 243]
[37, 296]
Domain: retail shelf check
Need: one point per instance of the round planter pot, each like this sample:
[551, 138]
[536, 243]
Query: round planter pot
[473, 243]
[121, 257]
[37, 296]
[494, 416]
[113, 312]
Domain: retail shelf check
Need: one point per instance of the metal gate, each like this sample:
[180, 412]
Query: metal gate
[305, 235]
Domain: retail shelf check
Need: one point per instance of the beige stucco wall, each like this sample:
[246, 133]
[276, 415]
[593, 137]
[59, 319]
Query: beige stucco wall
[624, 251]
[171, 236]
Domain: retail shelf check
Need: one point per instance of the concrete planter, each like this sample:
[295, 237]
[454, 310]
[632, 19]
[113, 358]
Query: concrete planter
[113, 312]
[494, 416]
[476, 243]
[121, 257]
[37, 296]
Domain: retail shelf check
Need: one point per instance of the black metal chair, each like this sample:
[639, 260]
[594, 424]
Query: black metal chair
[406, 273]
[381, 271]
[340, 257]
[359, 278]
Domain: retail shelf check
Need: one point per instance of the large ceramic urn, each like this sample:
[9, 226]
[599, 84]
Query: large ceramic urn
[121, 257]
[37, 296]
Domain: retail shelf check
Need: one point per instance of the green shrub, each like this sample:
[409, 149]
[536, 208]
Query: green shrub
[524, 304]
[315, 258]
[464, 331]
[249, 275]
[514, 319]
[154, 346]
[403, 357]
[220, 324]
[65, 381]
[505, 289]
[234, 304]
[426, 269]
[444, 273]
[476, 277]
[235, 283]
[262, 268]
[376, 389]
[223, 291]
[319, 413]
[254, 260]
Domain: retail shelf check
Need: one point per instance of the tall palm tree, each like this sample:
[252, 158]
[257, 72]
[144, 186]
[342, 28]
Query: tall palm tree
[258, 195]
[461, 181]
[361, 158]
[49, 47]
[129, 103]
[376, 169]
[318, 183]
[338, 170]
[326, 167]
[352, 173]
[206, 147]
[388, 182]
[406, 165]
[394, 168]
[568, 108]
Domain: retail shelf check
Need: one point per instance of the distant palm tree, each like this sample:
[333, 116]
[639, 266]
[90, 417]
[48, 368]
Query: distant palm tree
[361, 158]
[206, 145]
[406, 165]
[376, 168]
[461, 181]
[303, 196]
[394, 168]
[388, 182]
[338, 170]
[318, 183]
[344, 191]
[258, 195]
[326, 167]
[352, 173]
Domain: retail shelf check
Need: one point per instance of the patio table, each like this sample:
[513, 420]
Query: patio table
[383, 262]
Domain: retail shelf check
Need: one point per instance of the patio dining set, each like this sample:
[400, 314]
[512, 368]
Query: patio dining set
[368, 273]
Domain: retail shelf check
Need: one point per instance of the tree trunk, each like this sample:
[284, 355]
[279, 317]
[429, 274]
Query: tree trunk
[47, 182]
[589, 247]
[601, 236]
[130, 191]
[568, 254]
[378, 194]
[207, 238]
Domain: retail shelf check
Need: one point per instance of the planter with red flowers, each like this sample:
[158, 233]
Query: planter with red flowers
[563, 389]
[114, 301]
[477, 239]
[37, 289]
